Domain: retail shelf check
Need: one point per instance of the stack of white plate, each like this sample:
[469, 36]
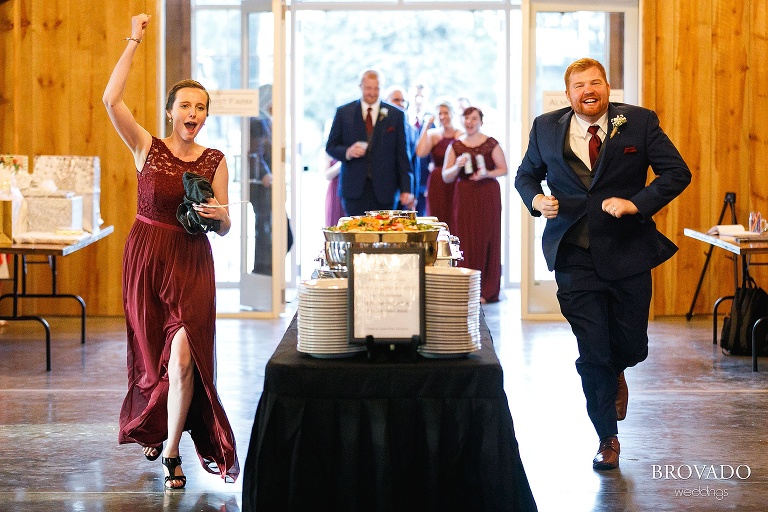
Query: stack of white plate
[323, 319]
[452, 302]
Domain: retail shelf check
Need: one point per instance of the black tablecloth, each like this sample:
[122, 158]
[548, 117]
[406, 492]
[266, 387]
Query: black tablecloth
[350, 434]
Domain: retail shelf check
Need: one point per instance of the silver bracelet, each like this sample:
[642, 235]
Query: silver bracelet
[133, 39]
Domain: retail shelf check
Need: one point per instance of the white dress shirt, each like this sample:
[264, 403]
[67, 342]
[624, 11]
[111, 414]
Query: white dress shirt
[579, 136]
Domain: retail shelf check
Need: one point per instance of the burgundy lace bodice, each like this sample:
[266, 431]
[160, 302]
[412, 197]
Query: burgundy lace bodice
[160, 189]
[485, 149]
[438, 152]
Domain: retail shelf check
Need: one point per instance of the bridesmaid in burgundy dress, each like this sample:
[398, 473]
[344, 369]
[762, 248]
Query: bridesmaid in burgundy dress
[477, 201]
[435, 142]
[168, 284]
[334, 209]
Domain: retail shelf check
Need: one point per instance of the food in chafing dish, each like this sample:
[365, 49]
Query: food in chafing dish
[380, 223]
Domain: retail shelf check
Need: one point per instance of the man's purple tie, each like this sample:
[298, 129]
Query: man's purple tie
[369, 123]
[594, 144]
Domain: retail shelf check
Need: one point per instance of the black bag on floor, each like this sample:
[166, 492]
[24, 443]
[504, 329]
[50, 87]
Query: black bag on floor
[750, 302]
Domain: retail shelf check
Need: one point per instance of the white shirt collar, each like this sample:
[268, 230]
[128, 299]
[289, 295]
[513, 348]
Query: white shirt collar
[584, 125]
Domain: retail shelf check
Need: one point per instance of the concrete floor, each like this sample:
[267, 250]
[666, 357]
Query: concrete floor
[690, 410]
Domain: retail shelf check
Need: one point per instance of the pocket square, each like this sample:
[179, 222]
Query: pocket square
[630, 149]
[390, 129]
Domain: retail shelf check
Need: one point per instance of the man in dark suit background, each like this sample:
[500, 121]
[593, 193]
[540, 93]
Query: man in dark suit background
[600, 238]
[396, 96]
[368, 137]
[420, 163]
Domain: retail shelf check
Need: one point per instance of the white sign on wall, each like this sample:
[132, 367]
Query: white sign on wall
[235, 102]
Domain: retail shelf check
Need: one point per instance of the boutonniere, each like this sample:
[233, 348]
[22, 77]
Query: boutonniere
[383, 113]
[617, 122]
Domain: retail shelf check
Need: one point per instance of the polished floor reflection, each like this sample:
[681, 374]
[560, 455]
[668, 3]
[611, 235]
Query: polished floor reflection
[693, 415]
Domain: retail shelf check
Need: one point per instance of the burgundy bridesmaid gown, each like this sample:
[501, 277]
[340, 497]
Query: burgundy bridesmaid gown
[168, 284]
[440, 193]
[334, 210]
[477, 219]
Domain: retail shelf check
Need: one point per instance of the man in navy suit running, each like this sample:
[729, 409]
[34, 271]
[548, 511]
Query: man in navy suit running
[600, 238]
[368, 136]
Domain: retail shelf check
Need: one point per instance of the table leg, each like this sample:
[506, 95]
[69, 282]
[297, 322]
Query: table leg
[43, 322]
[758, 323]
[714, 316]
[19, 280]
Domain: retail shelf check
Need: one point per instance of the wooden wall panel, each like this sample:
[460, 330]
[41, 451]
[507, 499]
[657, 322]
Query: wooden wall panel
[705, 74]
[684, 48]
[667, 85]
[693, 135]
[7, 78]
[178, 42]
[51, 54]
[758, 108]
[24, 130]
[56, 108]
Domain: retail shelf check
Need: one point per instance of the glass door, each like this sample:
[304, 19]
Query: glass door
[261, 163]
[233, 52]
[559, 34]
[410, 45]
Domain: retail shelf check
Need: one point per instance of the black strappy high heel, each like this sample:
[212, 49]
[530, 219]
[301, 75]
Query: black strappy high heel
[171, 463]
[158, 449]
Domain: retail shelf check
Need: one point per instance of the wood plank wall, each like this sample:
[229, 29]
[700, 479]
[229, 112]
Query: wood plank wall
[706, 74]
[704, 71]
[55, 59]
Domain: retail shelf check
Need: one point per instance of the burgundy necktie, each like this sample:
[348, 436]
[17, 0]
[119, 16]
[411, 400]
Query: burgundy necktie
[594, 144]
[369, 123]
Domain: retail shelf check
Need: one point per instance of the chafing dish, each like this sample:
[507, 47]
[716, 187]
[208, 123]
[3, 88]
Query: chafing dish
[440, 247]
[337, 243]
[406, 214]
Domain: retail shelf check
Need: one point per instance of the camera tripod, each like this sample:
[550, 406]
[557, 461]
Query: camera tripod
[730, 201]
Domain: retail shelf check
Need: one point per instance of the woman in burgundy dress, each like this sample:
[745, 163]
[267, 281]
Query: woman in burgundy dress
[435, 142]
[334, 209]
[168, 284]
[477, 200]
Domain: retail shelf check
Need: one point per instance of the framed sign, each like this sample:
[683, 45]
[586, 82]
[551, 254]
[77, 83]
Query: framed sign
[237, 102]
[386, 295]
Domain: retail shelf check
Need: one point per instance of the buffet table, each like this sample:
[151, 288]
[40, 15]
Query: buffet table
[350, 434]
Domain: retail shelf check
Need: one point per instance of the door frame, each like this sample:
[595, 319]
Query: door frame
[538, 299]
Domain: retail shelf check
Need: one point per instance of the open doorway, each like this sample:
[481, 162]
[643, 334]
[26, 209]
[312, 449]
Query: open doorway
[453, 52]
[433, 54]
[557, 38]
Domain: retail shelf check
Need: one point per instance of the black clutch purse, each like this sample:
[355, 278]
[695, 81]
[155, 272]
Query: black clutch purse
[196, 190]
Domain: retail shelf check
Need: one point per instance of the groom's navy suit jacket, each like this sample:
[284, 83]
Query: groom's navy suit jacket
[386, 162]
[620, 247]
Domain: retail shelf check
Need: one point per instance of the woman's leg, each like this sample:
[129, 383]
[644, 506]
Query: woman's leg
[181, 382]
